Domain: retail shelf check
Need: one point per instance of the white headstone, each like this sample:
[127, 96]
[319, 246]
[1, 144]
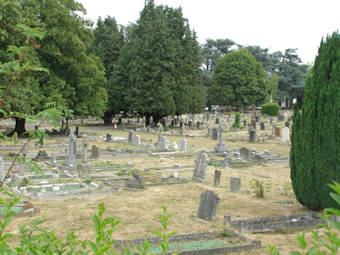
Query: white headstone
[285, 134]
[164, 146]
[136, 140]
[183, 145]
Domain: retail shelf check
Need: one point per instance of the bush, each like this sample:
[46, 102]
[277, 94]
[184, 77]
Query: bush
[271, 109]
[237, 121]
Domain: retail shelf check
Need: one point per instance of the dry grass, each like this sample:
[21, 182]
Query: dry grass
[137, 211]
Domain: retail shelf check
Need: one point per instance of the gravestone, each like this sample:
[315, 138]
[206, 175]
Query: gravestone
[214, 133]
[207, 116]
[245, 153]
[277, 131]
[285, 134]
[271, 120]
[208, 205]
[84, 143]
[53, 160]
[262, 125]
[235, 185]
[137, 182]
[220, 147]
[136, 140]
[183, 145]
[160, 133]
[253, 124]
[163, 144]
[281, 117]
[200, 166]
[198, 125]
[2, 169]
[287, 124]
[190, 123]
[244, 123]
[130, 136]
[217, 121]
[182, 131]
[217, 178]
[42, 156]
[70, 160]
[122, 124]
[77, 133]
[209, 132]
[252, 136]
[108, 138]
[95, 151]
[83, 170]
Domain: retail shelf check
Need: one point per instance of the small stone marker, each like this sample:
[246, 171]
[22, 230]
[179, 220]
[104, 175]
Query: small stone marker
[208, 205]
[285, 134]
[262, 125]
[200, 166]
[214, 133]
[252, 136]
[95, 151]
[235, 185]
[183, 145]
[217, 178]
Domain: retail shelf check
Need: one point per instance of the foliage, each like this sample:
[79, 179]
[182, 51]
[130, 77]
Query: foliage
[157, 73]
[271, 109]
[237, 121]
[259, 187]
[315, 154]
[325, 242]
[238, 81]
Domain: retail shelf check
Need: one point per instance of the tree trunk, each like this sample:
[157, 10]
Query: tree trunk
[19, 125]
[108, 116]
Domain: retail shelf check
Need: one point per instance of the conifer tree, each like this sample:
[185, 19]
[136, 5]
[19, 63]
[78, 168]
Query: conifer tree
[315, 151]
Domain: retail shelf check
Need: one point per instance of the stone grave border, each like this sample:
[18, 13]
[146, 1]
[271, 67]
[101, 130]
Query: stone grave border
[260, 225]
[253, 244]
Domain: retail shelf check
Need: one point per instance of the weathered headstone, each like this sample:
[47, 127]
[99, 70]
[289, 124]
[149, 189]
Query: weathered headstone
[163, 144]
[84, 143]
[277, 131]
[220, 147]
[70, 160]
[83, 170]
[287, 124]
[95, 151]
[245, 153]
[182, 131]
[136, 140]
[198, 125]
[217, 178]
[252, 136]
[235, 185]
[285, 134]
[214, 133]
[137, 182]
[209, 132]
[200, 166]
[253, 123]
[208, 205]
[262, 125]
[42, 156]
[130, 136]
[108, 138]
[183, 145]
[217, 121]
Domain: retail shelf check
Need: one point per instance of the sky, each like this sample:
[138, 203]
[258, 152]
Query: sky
[273, 24]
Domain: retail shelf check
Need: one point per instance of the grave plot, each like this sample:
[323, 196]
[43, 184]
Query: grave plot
[260, 225]
[198, 244]
[21, 209]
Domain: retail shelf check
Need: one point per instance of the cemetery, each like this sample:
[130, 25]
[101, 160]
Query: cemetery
[152, 137]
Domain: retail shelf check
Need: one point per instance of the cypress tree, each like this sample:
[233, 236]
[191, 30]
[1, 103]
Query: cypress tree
[315, 154]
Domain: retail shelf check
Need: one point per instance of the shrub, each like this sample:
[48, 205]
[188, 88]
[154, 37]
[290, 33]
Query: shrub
[271, 109]
[237, 121]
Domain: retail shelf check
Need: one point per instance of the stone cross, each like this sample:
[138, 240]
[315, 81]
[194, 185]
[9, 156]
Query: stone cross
[84, 143]
[200, 166]
[208, 205]
[220, 146]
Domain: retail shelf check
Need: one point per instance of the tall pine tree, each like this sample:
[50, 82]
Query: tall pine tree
[315, 151]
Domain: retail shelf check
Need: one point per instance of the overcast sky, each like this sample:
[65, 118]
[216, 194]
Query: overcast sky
[274, 24]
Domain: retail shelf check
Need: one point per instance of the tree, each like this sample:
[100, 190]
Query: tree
[315, 154]
[108, 41]
[238, 81]
[158, 73]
